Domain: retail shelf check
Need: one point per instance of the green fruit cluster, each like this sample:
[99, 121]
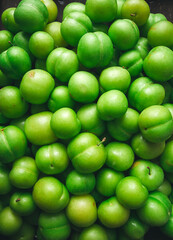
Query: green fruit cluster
[86, 121]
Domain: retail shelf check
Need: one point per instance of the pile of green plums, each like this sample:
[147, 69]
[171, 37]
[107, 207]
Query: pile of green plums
[86, 121]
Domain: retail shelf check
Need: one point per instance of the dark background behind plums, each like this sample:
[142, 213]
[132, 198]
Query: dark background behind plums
[156, 6]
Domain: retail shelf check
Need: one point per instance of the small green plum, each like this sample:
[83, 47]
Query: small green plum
[79, 183]
[54, 226]
[106, 181]
[158, 64]
[65, 124]
[120, 156]
[13, 143]
[86, 152]
[52, 159]
[131, 193]
[41, 44]
[54, 30]
[145, 149]
[38, 130]
[112, 214]
[81, 210]
[101, 11]
[157, 209]
[74, 26]
[83, 87]
[22, 203]
[156, 123]
[115, 78]
[50, 195]
[150, 174]
[123, 128]
[90, 120]
[112, 104]
[124, 34]
[24, 173]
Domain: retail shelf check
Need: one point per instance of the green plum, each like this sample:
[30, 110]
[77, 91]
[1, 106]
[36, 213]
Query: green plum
[15, 62]
[54, 30]
[107, 180]
[165, 187]
[112, 214]
[120, 156]
[6, 38]
[90, 120]
[10, 222]
[156, 123]
[134, 228]
[36, 86]
[150, 174]
[131, 193]
[101, 11]
[50, 195]
[145, 149]
[93, 232]
[86, 152]
[8, 20]
[41, 44]
[112, 104]
[73, 7]
[158, 64]
[119, 7]
[167, 228]
[144, 93]
[4, 180]
[90, 50]
[132, 61]
[152, 19]
[157, 209]
[59, 98]
[54, 226]
[52, 159]
[38, 129]
[22, 203]
[65, 123]
[143, 47]
[24, 173]
[13, 143]
[31, 15]
[52, 10]
[116, 78]
[62, 63]
[123, 128]
[74, 26]
[83, 87]
[136, 10]
[21, 39]
[124, 34]
[12, 104]
[80, 183]
[159, 34]
[81, 210]
[166, 158]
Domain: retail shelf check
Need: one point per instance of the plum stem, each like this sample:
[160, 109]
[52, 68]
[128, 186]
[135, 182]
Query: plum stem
[133, 14]
[10, 43]
[149, 171]
[18, 199]
[102, 141]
